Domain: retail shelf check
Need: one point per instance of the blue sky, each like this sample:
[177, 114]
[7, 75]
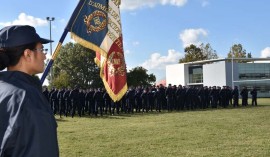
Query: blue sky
[155, 32]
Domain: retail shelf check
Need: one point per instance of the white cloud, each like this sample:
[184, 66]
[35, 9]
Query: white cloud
[174, 2]
[135, 4]
[24, 19]
[157, 61]
[265, 52]
[192, 36]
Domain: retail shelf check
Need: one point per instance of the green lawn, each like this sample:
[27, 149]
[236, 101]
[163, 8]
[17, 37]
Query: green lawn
[240, 132]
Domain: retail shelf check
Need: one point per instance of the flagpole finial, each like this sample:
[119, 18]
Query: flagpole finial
[117, 2]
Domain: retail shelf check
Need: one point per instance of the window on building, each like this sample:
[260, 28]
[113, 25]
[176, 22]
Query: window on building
[195, 74]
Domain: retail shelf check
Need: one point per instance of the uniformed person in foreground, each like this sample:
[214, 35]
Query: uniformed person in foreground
[27, 123]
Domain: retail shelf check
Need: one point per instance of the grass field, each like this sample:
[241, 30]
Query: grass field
[239, 132]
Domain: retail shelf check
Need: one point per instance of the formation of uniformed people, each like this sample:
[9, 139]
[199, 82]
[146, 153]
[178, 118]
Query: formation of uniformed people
[145, 99]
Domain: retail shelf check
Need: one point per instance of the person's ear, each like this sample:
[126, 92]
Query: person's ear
[27, 54]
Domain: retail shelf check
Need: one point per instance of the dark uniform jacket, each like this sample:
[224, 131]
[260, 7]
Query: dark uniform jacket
[27, 124]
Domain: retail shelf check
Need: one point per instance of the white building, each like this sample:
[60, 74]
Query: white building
[221, 72]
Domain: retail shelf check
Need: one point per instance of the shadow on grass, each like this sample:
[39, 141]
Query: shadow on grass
[114, 116]
[155, 113]
[60, 119]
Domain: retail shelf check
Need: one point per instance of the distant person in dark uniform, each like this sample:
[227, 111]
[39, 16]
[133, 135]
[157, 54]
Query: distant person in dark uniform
[145, 100]
[50, 96]
[201, 98]
[151, 99]
[27, 124]
[163, 96]
[188, 98]
[206, 97]
[75, 101]
[244, 94]
[184, 95]
[193, 97]
[229, 94]
[90, 101]
[115, 106]
[235, 95]
[138, 99]
[223, 97]
[81, 106]
[108, 103]
[55, 101]
[62, 106]
[179, 98]
[158, 99]
[46, 93]
[67, 102]
[130, 99]
[219, 96]
[98, 98]
[214, 97]
[123, 104]
[173, 106]
[254, 96]
[169, 97]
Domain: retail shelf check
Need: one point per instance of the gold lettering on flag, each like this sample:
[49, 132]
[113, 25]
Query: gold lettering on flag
[98, 6]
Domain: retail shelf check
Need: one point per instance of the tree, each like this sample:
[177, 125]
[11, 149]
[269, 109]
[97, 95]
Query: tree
[75, 66]
[194, 53]
[238, 52]
[138, 76]
[249, 55]
[208, 52]
[62, 80]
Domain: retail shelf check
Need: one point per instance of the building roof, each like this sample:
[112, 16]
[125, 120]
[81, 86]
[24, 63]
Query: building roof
[227, 59]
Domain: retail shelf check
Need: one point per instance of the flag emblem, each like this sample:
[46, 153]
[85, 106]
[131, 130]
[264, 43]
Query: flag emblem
[95, 22]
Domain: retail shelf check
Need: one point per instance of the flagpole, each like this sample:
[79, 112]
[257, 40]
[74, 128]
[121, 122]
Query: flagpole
[232, 68]
[232, 73]
[57, 50]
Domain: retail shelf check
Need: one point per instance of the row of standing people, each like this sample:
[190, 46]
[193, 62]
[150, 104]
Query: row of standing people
[155, 98]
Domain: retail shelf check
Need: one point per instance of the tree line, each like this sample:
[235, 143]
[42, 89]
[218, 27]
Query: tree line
[206, 52]
[75, 66]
